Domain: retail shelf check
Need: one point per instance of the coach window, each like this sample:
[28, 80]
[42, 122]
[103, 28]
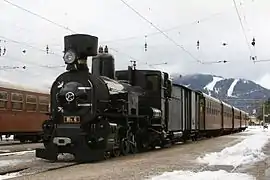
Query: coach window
[43, 104]
[17, 101]
[3, 99]
[31, 103]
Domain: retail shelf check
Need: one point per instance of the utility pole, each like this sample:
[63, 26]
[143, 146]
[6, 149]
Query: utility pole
[263, 113]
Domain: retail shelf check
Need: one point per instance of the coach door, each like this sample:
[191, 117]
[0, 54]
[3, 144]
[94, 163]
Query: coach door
[202, 113]
[193, 111]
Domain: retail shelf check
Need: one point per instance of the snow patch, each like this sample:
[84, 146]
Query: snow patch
[211, 85]
[230, 90]
[245, 152]
[10, 175]
[12, 162]
[7, 138]
[17, 153]
[205, 175]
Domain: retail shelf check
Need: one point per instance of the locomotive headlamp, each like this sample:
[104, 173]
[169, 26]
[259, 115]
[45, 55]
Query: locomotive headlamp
[70, 57]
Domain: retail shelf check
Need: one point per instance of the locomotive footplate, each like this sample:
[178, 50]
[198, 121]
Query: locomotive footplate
[69, 139]
[82, 154]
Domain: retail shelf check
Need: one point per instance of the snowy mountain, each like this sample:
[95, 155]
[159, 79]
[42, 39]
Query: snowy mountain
[242, 93]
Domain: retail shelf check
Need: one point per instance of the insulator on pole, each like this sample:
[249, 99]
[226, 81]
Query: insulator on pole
[253, 42]
[4, 51]
[145, 44]
[47, 49]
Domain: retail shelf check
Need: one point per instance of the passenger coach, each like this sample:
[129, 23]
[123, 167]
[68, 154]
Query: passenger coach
[198, 114]
[23, 110]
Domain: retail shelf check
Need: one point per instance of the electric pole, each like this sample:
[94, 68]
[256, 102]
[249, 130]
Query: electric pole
[263, 113]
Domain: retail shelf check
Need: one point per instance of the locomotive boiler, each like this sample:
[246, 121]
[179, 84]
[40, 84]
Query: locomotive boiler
[93, 114]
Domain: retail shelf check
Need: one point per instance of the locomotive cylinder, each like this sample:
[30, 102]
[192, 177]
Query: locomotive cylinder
[103, 64]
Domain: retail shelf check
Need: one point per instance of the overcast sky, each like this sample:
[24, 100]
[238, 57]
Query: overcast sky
[212, 22]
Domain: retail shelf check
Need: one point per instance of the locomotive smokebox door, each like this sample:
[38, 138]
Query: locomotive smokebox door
[83, 45]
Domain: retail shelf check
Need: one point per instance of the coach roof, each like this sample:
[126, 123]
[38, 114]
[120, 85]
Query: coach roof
[14, 86]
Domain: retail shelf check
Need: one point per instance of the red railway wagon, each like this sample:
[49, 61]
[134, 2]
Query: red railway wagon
[22, 111]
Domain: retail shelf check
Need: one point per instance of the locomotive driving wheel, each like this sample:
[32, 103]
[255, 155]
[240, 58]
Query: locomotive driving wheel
[132, 143]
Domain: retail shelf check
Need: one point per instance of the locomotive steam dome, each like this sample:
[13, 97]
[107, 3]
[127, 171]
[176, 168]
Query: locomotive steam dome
[103, 64]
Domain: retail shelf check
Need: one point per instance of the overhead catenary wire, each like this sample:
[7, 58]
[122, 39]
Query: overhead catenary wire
[114, 49]
[32, 63]
[57, 24]
[28, 45]
[157, 28]
[165, 30]
[242, 26]
[39, 16]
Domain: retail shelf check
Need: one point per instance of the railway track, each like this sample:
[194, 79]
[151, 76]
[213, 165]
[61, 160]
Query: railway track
[37, 165]
[11, 143]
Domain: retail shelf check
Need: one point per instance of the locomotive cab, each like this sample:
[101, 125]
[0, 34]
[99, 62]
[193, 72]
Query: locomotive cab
[158, 89]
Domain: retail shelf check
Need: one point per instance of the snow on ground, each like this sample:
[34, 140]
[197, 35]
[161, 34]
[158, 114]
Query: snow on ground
[5, 138]
[16, 153]
[205, 175]
[13, 162]
[246, 152]
[10, 175]
[211, 85]
[230, 90]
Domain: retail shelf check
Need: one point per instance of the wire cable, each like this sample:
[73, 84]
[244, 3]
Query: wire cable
[242, 26]
[114, 49]
[165, 30]
[37, 15]
[54, 23]
[28, 45]
[196, 59]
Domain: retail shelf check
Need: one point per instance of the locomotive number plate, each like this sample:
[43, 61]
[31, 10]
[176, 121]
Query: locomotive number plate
[72, 119]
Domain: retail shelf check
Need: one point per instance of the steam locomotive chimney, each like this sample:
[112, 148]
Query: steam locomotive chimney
[77, 48]
[103, 64]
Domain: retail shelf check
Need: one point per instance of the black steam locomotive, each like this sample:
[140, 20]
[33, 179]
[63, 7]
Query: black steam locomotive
[108, 113]
[93, 114]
